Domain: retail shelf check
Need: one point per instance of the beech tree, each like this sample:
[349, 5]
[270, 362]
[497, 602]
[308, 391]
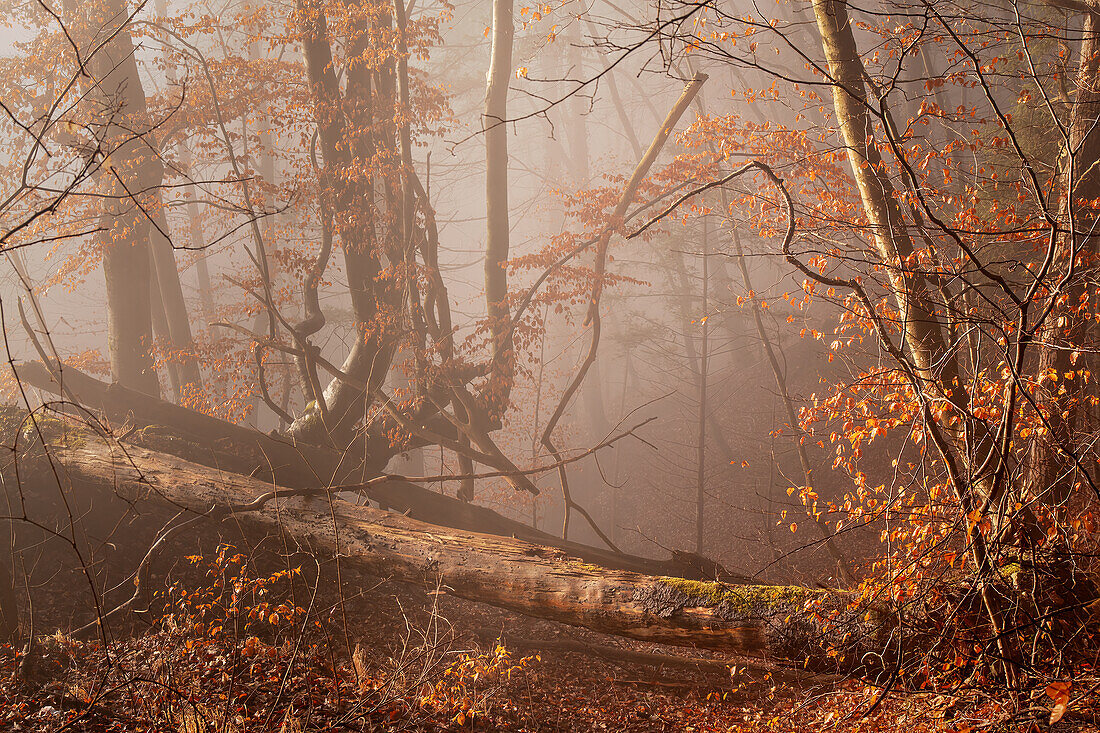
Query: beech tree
[120, 133]
[928, 234]
[944, 285]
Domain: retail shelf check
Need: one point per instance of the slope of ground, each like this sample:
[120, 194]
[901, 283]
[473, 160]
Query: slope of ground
[267, 641]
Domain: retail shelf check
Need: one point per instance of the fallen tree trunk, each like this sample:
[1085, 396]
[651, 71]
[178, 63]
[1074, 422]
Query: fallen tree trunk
[168, 428]
[608, 653]
[779, 623]
[620, 655]
[419, 503]
[194, 435]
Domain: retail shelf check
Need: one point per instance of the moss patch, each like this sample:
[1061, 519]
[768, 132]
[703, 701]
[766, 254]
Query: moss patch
[669, 595]
[161, 438]
[11, 422]
[49, 428]
[53, 431]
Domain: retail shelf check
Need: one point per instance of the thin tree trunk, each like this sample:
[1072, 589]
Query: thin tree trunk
[592, 317]
[578, 127]
[167, 281]
[538, 407]
[701, 423]
[9, 601]
[163, 332]
[1064, 335]
[494, 123]
[195, 233]
[265, 153]
[841, 560]
[680, 286]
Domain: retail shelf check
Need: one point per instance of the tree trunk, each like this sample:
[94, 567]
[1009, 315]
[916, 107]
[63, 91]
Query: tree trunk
[625, 656]
[890, 234]
[175, 308]
[934, 367]
[129, 177]
[843, 565]
[201, 437]
[162, 332]
[678, 284]
[9, 603]
[756, 621]
[701, 415]
[264, 151]
[494, 123]
[195, 233]
[1065, 335]
[345, 122]
[206, 440]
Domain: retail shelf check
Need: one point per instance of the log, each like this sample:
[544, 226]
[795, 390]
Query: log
[620, 655]
[417, 502]
[608, 653]
[168, 428]
[773, 622]
[199, 437]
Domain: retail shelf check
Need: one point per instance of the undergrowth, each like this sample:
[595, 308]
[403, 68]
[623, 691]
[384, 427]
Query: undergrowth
[242, 652]
[237, 649]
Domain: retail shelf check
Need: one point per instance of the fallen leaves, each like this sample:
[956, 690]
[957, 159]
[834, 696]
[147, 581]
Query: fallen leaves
[1059, 693]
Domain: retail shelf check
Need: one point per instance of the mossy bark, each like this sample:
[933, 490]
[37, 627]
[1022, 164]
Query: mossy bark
[783, 624]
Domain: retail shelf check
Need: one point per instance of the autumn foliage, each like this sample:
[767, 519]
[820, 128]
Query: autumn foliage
[901, 198]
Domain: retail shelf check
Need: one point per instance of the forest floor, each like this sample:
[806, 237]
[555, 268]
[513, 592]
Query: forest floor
[273, 641]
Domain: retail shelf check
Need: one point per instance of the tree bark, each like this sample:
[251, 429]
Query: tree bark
[130, 174]
[494, 123]
[175, 308]
[349, 133]
[203, 438]
[168, 428]
[624, 655]
[934, 369]
[892, 242]
[1064, 333]
[756, 621]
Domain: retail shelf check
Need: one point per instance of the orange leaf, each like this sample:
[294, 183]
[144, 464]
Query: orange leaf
[1059, 693]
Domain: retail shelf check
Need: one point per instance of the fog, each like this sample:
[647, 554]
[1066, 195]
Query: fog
[565, 308]
[573, 126]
